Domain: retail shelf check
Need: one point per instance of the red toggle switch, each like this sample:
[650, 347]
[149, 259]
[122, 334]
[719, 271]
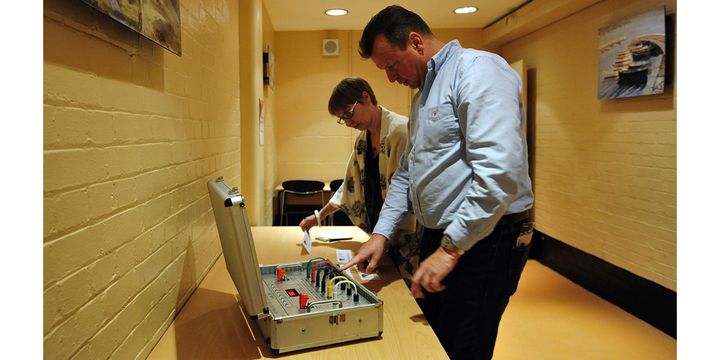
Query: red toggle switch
[303, 300]
[280, 274]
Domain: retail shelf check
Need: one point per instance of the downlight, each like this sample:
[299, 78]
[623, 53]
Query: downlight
[465, 10]
[336, 12]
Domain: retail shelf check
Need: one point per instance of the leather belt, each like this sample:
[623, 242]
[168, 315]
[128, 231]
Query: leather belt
[515, 218]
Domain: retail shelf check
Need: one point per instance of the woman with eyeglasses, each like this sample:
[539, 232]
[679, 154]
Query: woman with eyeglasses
[378, 148]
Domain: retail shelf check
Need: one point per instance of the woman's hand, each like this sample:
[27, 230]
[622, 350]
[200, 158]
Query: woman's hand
[308, 222]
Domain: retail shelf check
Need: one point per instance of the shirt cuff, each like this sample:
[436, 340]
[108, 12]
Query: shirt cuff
[336, 199]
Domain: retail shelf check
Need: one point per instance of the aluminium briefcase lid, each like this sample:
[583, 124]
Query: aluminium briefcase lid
[237, 244]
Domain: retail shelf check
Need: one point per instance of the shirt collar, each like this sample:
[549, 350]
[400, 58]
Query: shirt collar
[437, 61]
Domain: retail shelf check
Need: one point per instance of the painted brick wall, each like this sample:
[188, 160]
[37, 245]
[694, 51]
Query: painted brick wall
[132, 133]
[310, 145]
[605, 171]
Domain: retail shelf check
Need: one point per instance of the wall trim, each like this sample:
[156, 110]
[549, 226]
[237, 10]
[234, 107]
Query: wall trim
[645, 299]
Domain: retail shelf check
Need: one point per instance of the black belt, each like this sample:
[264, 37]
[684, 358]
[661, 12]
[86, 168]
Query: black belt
[514, 218]
[505, 220]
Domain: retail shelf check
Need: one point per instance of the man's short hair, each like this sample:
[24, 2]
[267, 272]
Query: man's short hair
[395, 23]
[347, 92]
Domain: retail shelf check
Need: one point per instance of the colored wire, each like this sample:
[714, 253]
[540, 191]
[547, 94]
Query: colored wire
[326, 269]
[330, 284]
[343, 282]
[310, 262]
[316, 265]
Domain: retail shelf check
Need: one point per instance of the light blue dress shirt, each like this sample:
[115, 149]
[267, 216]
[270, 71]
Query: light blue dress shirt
[466, 162]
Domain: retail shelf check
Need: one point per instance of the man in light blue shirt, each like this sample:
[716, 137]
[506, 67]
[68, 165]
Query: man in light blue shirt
[464, 175]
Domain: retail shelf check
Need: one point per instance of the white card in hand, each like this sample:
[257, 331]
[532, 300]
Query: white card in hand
[307, 242]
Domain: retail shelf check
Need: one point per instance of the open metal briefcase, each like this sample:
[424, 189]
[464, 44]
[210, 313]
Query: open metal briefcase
[296, 305]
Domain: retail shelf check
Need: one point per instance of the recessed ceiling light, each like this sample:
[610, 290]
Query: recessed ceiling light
[336, 12]
[465, 10]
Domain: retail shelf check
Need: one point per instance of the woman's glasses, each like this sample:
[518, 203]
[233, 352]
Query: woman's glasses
[346, 115]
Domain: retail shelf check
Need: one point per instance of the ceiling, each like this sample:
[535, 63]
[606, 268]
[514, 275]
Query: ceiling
[304, 15]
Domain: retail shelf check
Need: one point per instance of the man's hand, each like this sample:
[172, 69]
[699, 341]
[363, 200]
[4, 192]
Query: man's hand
[432, 271]
[369, 254]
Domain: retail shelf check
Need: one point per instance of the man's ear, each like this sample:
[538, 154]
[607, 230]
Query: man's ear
[415, 41]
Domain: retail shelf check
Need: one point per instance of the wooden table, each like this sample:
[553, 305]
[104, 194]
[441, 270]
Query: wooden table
[212, 325]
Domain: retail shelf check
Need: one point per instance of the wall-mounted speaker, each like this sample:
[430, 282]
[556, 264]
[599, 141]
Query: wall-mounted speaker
[331, 47]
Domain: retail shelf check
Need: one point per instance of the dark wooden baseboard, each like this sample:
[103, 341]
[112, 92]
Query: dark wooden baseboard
[647, 300]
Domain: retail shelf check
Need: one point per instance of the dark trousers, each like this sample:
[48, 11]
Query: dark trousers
[466, 315]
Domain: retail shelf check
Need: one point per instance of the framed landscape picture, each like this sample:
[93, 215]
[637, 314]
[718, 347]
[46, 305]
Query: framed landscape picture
[157, 20]
[632, 56]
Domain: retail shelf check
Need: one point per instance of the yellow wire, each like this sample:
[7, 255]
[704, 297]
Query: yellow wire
[330, 283]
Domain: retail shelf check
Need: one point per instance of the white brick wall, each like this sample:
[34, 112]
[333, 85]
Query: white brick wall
[132, 133]
[605, 171]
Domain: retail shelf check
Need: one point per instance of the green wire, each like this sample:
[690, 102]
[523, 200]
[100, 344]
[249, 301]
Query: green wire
[310, 262]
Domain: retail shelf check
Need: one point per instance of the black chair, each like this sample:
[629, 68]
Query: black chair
[300, 190]
[339, 217]
[335, 184]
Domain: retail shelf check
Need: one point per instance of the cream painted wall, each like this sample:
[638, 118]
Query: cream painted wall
[252, 154]
[269, 128]
[605, 171]
[469, 38]
[132, 133]
[309, 144]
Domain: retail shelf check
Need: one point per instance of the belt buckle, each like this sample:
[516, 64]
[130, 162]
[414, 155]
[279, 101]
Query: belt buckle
[526, 232]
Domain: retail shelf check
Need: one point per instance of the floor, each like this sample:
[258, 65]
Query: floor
[552, 318]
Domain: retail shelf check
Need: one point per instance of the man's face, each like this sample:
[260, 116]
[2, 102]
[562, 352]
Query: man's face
[406, 66]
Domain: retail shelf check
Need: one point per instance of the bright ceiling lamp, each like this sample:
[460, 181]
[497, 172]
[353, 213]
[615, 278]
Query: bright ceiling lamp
[465, 10]
[336, 12]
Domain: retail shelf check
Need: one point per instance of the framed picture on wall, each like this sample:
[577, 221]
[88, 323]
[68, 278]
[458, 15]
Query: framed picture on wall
[157, 20]
[632, 56]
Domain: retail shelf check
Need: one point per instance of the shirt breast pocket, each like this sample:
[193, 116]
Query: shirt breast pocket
[442, 126]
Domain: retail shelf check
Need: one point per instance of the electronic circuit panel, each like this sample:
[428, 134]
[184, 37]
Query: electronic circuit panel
[285, 295]
[291, 310]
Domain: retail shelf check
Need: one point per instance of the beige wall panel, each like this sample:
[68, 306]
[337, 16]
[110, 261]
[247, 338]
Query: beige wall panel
[605, 171]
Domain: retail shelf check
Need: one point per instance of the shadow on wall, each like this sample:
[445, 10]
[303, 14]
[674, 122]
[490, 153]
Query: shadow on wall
[77, 36]
[187, 279]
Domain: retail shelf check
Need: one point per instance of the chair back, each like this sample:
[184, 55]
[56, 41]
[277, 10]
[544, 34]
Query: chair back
[303, 187]
[300, 189]
[335, 184]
